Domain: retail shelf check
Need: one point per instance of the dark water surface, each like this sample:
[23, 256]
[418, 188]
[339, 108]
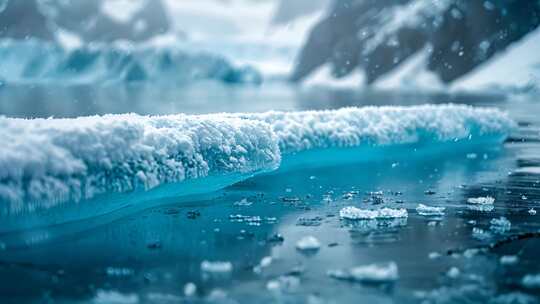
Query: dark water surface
[149, 257]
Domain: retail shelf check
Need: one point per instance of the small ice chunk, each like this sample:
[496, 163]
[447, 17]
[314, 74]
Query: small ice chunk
[481, 208]
[500, 225]
[480, 234]
[119, 272]
[481, 204]
[264, 263]
[453, 273]
[472, 155]
[216, 267]
[509, 259]
[285, 283]
[190, 289]
[308, 243]
[425, 210]
[353, 213]
[531, 281]
[217, 295]
[483, 200]
[110, 296]
[532, 211]
[434, 255]
[471, 252]
[372, 273]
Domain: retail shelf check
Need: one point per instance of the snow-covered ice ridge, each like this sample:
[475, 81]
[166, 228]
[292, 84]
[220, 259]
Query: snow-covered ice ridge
[388, 125]
[47, 162]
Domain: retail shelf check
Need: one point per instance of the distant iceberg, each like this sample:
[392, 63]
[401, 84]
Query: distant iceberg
[103, 163]
[34, 61]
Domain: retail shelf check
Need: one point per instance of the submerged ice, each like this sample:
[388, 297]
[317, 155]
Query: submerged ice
[50, 162]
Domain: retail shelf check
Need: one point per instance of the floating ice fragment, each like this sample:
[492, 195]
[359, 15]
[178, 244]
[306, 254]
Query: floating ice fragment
[434, 255]
[472, 155]
[480, 234]
[481, 208]
[471, 252]
[216, 267]
[264, 263]
[509, 259]
[309, 221]
[532, 211]
[481, 204]
[118, 272]
[109, 296]
[453, 273]
[285, 283]
[500, 225]
[531, 281]
[485, 200]
[308, 243]
[353, 213]
[425, 210]
[373, 273]
[190, 289]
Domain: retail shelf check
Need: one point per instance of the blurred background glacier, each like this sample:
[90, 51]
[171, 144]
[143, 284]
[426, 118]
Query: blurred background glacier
[257, 49]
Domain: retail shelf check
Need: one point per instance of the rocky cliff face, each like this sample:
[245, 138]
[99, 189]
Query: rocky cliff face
[86, 19]
[376, 36]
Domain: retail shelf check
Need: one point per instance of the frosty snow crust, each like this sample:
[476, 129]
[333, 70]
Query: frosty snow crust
[353, 127]
[45, 162]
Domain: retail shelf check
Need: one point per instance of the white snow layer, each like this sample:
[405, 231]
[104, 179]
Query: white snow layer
[372, 273]
[353, 213]
[45, 162]
[388, 125]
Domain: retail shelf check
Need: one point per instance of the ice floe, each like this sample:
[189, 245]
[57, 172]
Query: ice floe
[425, 210]
[500, 225]
[481, 204]
[353, 213]
[216, 266]
[372, 273]
[485, 200]
[531, 281]
[308, 243]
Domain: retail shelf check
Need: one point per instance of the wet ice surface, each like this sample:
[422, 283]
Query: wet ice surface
[241, 244]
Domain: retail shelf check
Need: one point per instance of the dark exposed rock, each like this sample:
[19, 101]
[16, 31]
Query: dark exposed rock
[41, 19]
[377, 35]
